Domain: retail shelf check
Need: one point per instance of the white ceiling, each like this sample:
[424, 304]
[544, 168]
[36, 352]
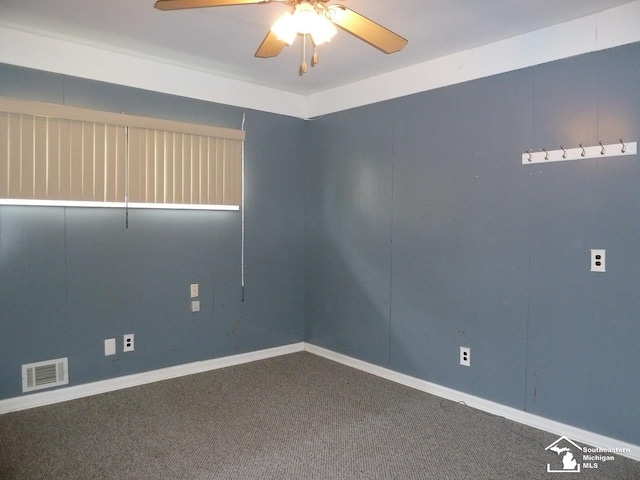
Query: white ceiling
[222, 40]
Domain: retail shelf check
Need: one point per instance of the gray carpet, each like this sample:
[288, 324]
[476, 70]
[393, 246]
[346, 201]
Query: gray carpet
[297, 416]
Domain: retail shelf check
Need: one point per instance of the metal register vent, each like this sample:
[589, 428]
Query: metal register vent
[49, 373]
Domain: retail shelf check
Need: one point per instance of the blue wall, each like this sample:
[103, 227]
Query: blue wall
[71, 277]
[393, 233]
[425, 233]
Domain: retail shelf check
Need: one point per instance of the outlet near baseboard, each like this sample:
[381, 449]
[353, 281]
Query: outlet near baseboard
[465, 356]
[128, 343]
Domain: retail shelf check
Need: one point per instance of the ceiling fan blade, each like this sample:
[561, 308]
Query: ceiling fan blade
[363, 28]
[271, 46]
[183, 4]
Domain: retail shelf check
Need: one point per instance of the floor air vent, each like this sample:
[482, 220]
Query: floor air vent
[49, 373]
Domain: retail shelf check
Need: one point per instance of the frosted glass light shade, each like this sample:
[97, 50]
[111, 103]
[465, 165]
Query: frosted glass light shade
[323, 30]
[305, 20]
[285, 28]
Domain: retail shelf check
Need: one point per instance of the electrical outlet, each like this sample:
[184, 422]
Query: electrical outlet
[194, 290]
[128, 343]
[465, 356]
[195, 305]
[598, 260]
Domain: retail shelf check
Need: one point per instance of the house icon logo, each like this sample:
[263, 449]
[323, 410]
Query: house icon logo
[566, 451]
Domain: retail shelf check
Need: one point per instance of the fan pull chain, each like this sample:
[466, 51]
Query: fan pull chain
[314, 58]
[303, 66]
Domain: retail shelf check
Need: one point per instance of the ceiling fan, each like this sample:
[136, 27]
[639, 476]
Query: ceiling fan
[308, 18]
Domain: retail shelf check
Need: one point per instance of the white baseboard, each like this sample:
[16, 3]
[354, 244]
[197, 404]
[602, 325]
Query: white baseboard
[79, 391]
[577, 434]
[118, 383]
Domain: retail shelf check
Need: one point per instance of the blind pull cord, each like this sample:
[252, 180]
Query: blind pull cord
[242, 218]
[126, 178]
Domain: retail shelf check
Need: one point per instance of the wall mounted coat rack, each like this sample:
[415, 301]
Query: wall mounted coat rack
[580, 153]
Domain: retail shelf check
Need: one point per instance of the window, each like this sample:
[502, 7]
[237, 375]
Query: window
[59, 155]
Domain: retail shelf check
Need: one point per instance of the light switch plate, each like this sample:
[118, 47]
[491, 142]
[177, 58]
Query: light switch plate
[195, 305]
[109, 346]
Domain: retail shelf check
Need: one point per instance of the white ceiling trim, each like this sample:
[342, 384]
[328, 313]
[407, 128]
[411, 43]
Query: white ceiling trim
[614, 27]
[611, 28]
[60, 56]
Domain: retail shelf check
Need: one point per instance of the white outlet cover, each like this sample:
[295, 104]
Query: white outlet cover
[598, 260]
[194, 290]
[128, 343]
[195, 305]
[465, 356]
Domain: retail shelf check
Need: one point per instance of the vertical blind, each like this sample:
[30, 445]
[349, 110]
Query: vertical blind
[66, 154]
[183, 168]
[58, 159]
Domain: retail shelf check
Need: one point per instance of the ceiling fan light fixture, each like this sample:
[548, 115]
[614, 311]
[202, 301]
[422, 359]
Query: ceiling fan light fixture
[285, 28]
[323, 30]
[305, 18]
[313, 18]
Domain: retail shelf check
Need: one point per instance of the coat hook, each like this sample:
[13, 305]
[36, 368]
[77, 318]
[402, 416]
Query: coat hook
[530, 158]
[546, 154]
[624, 147]
[583, 152]
[601, 151]
[564, 152]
